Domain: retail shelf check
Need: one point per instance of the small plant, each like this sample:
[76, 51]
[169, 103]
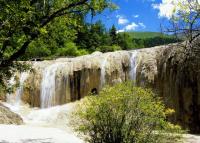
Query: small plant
[109, 48]
[125, 114]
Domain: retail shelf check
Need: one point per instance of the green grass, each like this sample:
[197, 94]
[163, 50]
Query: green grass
[143, 35]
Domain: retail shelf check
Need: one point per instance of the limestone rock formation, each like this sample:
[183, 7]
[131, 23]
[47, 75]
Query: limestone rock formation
[172, 70]
[9, 117]
[179, 82]
[69, 79]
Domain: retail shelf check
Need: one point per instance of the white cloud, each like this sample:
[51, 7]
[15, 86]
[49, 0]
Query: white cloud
[136, 16]
[122, 20]
[131, 26]
[119, 31]
[142, 25]
[168, 8]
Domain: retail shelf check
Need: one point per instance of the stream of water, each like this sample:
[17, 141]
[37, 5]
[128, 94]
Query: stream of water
[15, 98]
[133, 62]
[48, 85]
[103, 72]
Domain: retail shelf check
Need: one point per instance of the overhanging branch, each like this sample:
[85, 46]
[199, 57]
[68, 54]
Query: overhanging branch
[44, 22]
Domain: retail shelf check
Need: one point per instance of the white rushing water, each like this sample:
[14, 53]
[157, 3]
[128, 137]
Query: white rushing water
[20, 90]
[48, 85]
[15, 98]
[133, 62]
[103, 72]
[48, 125]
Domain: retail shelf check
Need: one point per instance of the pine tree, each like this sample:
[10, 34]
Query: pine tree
[113, 35]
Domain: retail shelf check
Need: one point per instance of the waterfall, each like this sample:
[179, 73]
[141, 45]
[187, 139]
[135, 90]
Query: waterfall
[133, 62]
[15, 98]
[10, 96]
[103, 72]
[20, 90]
[48, 86]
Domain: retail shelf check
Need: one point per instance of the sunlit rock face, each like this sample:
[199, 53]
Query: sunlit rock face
[179, 82]
[172, 71]
[69, 79]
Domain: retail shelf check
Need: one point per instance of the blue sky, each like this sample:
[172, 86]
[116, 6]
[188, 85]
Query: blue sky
[133, 15]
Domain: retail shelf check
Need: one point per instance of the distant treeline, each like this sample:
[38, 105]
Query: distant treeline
[154, 41]
[88, 38]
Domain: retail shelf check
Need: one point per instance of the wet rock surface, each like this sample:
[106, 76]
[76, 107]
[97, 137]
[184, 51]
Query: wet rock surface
[9, 117]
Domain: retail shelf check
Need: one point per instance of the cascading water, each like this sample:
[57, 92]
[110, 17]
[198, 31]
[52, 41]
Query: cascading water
[48, 86]
[133, 62]
[39, 124]
[103, 72]
[20, 90]
[10, 96]
[15, 98]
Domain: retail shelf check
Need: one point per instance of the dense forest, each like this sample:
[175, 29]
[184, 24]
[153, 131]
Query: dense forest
[87, 38]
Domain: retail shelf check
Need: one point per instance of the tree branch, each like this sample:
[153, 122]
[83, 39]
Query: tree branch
[20, 52]
[4, 46]
[46, 20]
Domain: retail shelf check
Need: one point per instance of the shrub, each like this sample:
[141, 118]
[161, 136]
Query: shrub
[108, 48]
[125, 114]
[70, 49]
[35, 52]
[82, 52]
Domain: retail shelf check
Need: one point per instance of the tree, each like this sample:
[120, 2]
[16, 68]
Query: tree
[113, 35]
[22, 22]
[125, 41]
[92, 36]
[185, 19]
[125, 114]
[55, 36]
